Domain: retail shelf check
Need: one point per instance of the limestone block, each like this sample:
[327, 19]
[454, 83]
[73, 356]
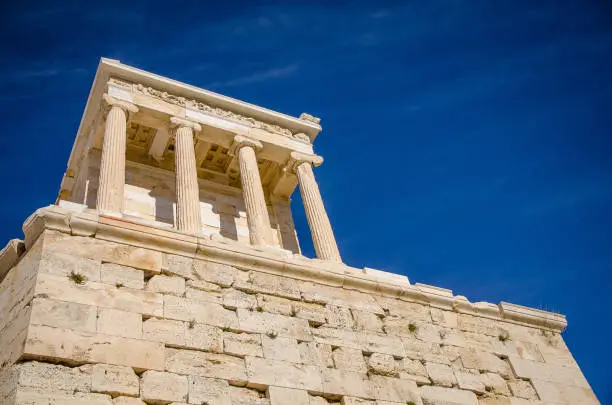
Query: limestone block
[503, 400]
[410, 311]
[105, 251]
[564, 393]
[266, 372]
[338, 317]
[234, 299]
[349, 359]
[380, 343]
[412, 370]
[274, 305]
[257, 282]
[248, 396]
[203, 285]
[316, 353]
[280, 348]
[395, 390]
[63, 314]
[64, 264]
[44, 398]
[381, 364]
[127, 401]
[313, 313]
[479, 325]
[167, 285]
[164, 330]
[214, 272]
[470, 381]
[484, 361]
[162, 387]
[495, 383]
[119, 323]
[356, 401]
[203, 337]
[123, 276]
[206, 364]
[262, 322]
[522, 389]
[13, 337]
[367, 321]
[315, 400]
[242, 344]
[323, 294]
[284, 396]
[342, 382]
[418, 350]
[197, 294]
[187, 309]
[548, 372]
[180, 266]
[100, 295]
[52, 378]
[211, 391]
[114, 380]
[80, 347]
[432, 395]
[448, 319]
[441, 374]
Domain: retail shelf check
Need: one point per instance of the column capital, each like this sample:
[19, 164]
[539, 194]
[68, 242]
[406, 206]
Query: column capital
[297, 158]
[126, 106]
[179, 122]
[242, 141]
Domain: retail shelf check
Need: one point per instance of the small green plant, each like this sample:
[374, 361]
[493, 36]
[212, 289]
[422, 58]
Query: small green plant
[118, 285]
[191, 324]
[488, 388]
[503, 336]
[412, 327]
[410, 403]
[259, 309]
[77, 278]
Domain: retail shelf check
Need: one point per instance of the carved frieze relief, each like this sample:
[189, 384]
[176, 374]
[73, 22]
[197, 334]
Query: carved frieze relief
[219, 112]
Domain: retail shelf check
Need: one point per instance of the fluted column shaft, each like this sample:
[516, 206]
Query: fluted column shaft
[320, 228]
[188, 218]
[112, 165]
[258, 219]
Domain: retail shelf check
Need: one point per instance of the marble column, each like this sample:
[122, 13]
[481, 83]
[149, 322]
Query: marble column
[258, 219]
[112, 165]
[320, 228]
[188, 218]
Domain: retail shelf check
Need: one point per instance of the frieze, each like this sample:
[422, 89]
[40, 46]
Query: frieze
[219, 112]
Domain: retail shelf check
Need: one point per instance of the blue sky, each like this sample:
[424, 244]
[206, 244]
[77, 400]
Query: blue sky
[467, 143]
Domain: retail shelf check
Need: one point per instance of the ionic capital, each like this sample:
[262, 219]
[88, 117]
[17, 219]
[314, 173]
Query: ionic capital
[241, 141]
[297, 158]
[178, 122]
[126, 106]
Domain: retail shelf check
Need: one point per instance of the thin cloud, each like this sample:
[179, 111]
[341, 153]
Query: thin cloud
[258, 77]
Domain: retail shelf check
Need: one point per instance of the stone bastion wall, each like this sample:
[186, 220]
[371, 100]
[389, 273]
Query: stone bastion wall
[85, 319]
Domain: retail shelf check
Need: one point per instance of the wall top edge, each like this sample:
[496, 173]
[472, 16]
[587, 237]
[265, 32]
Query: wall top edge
[80, 221]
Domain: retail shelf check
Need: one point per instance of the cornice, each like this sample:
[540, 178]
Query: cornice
[83, 222]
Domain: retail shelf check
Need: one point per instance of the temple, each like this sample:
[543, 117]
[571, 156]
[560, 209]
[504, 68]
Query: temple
[169, 271]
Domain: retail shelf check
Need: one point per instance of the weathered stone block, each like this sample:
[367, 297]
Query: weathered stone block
[265, 372]
[162, 387]
[381, 364]
[248, 396]
[367, 321]
[114, 380]
[522, 389]
[262, 322]
[470, 381]
[187, 309]
[280, 348]
[284, 396]
[274, 305]
[484, 361]
[165, 331]
[166, 285]
[51, 377]
[62, 314]
[80, 347]
[203, 337]
[44, 398]
[412, 370]
[446, 396]
[313, 313]
[395, 390]
[63, 264]
[197, 294]
[210, 391]
[127, 401]
[349, 359]
[338, 317]
[257, 282]
[122, 276]
[341, 382]
[316, 353]
[206, 364]
[119, 323]
[242, 344]
[214, 273]
[441, 374]
[234, 299]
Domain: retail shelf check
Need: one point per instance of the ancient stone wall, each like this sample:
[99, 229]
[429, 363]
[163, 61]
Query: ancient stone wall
[108, 323]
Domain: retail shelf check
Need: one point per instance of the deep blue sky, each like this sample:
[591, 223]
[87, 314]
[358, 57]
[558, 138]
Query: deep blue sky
[467, 143]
